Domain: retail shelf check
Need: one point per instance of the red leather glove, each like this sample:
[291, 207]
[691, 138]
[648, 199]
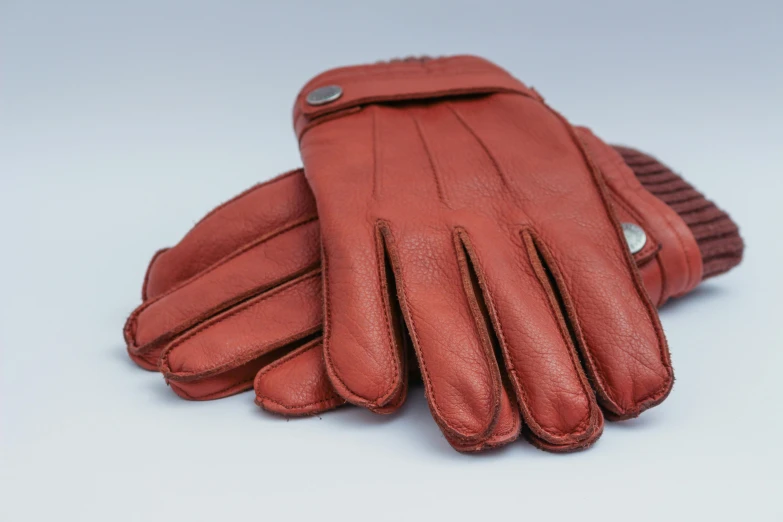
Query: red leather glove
[226, 252]
[459, 211]
[253, 257]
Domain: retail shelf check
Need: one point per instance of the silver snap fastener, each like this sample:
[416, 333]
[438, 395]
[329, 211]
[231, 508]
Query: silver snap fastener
[634, 236]
[323, 95]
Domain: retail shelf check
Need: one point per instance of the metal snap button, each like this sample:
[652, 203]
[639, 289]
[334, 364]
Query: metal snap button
[634, 236]
[324, 95]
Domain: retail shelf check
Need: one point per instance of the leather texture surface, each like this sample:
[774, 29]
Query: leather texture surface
[240, 298]
[257, 242]
[193, 285]
[459, 211]
[717, 235]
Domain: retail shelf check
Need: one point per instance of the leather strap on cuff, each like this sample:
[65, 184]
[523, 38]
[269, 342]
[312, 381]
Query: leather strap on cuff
[716, 234]
[347, 89]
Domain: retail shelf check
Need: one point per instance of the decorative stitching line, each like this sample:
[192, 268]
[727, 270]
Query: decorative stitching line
[131, 324]
[216, 320]
[331, 367]
[531, 244]
[483, 145]
[430, 159]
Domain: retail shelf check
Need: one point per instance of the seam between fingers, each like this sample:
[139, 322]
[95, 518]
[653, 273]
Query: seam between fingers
[439, 418]
[332, 369]
[565, 335]
[383, 290]
[217, 320]
[132, 324]
[467, 257]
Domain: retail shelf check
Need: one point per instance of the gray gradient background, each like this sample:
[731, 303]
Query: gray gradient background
[121, 123]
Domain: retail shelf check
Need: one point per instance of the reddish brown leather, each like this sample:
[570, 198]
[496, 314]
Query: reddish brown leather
[295, 382]
[717, 235]
[263, 240]
[258, 266]
[230, 226]
[485, 221]
[185, 286]
[679, 270]
[362, 85]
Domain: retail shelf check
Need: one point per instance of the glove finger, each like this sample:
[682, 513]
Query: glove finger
[564, 199]
[250, 270]
[221, 356]
[393, 175]
[448, 330]
[297, 384]
[362, 341]
[362, 344]
[556, 401]
[260, 211]
[614, 321]
[615, 324]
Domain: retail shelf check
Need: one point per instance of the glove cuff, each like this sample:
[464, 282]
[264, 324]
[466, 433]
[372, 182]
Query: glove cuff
[716, 234]
[345, 90]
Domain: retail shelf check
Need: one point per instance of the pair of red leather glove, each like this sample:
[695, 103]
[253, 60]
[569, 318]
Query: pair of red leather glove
[448, 220]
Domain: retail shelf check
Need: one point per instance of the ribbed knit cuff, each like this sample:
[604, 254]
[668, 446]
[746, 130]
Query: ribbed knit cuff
[717, 235]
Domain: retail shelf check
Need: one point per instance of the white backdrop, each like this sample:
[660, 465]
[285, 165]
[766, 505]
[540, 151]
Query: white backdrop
[122, 123]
